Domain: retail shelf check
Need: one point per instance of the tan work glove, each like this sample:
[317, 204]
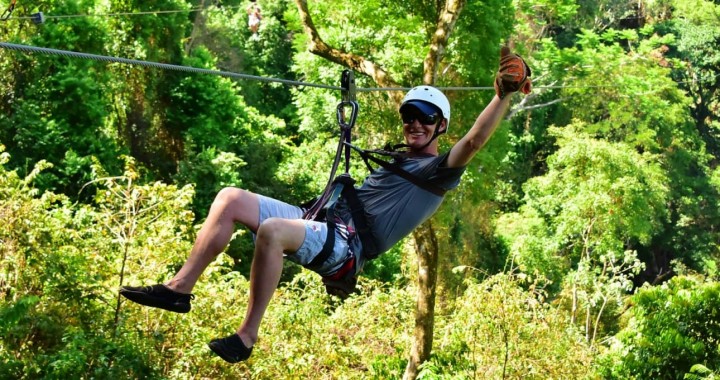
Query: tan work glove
[513, 75]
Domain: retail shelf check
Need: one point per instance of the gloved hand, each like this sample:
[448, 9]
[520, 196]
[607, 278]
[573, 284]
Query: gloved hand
[513, 75]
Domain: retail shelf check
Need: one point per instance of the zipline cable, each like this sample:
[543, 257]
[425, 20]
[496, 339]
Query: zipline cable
[95, 57]
[117, 14]
[166, 66]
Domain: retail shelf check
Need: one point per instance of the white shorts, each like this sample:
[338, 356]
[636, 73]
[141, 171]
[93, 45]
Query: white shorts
[315, 236]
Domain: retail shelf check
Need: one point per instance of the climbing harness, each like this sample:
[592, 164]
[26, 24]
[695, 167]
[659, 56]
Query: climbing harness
[342, 186]
[323, 209]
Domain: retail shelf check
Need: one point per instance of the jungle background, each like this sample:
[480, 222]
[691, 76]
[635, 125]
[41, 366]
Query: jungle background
[582, 242]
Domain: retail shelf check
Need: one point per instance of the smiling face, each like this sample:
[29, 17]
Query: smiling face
[419, 129]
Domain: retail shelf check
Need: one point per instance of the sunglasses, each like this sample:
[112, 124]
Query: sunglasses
[425, 119]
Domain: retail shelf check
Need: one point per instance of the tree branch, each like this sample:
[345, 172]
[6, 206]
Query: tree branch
[521, 107]
[352, 61]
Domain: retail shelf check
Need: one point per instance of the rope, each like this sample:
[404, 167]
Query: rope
[190, 10]
[96, 57]
[35, 49]
[72, 54]
[108, 14]
[373, 89]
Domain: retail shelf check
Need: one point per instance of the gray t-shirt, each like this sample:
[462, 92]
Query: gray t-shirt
[394, 206]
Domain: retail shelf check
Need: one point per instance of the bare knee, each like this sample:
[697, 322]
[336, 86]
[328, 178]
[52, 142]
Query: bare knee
[271, 229]
[281, 233]
[238, 204]
[230, 195]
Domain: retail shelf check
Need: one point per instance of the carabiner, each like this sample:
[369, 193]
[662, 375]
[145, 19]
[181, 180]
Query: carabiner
[347, 82]
[347, 125]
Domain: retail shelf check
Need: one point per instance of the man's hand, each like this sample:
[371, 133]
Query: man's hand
[513, 75]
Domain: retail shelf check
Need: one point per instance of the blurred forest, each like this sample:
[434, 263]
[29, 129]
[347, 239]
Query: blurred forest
[582, 243]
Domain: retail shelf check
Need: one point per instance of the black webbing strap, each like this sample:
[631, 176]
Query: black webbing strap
[327, 248]
[396, 169]
[344, 186]
[324, 206]
[346, 123]
[362, 226]
[340, 184]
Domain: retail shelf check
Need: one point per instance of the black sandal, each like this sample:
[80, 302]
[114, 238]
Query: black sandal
[159, 296]
[231, 348]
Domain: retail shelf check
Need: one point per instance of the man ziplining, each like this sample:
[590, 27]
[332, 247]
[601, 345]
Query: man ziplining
[395, 199]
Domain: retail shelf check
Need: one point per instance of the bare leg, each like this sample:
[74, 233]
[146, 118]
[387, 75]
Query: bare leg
[274, 237]
[231, 205]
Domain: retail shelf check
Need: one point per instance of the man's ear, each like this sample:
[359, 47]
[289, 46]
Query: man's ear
[442, 128]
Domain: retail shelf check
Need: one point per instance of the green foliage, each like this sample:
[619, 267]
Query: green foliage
[465, 221]
[626, 177]
[221, 135]
[209, 171]
[596, 290]
[597, 198]
[61, 264]
[503, 328]
[308, 166]
[387, 267]
[474, 52]
[56, 105]
[266, 54]
[699, 371]
[400, 45]
[621, 90]
[695, 61]
[558, 18]
[640, 106]
[671, 328]
[205, 107]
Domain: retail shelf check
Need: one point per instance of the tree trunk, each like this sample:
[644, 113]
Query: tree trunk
[426, 243]
[447, 17]
[197, 24]
[427, 247]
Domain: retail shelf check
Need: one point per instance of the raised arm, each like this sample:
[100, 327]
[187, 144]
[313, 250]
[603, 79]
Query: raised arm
[513, 75]
[485, 124]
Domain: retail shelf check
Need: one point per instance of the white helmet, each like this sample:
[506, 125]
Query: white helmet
[428, 94]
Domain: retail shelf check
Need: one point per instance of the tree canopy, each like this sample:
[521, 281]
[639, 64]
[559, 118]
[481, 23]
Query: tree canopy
[581, 243]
